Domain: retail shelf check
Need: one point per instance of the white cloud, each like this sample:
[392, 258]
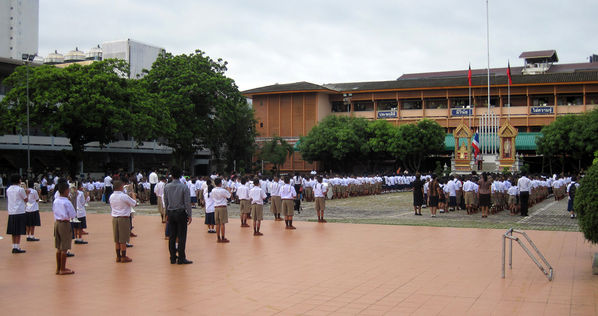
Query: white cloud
[328, 41]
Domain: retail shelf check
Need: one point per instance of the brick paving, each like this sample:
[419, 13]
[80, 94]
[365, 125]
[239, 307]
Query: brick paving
[318, 269]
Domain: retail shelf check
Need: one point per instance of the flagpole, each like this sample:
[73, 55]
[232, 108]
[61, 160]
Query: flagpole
[488, 51]
[469, 106]
[509, 89]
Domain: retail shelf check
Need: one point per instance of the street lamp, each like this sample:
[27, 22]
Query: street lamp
[28, 58]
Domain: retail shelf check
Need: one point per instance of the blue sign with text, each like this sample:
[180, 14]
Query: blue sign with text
[542, 110]
[460, 112]
[387, 114]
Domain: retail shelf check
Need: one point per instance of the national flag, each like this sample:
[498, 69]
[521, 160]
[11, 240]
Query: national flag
[469, 75]
[509, 74]
[476, 145]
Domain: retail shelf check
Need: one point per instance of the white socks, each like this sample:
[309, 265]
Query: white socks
[15, 246]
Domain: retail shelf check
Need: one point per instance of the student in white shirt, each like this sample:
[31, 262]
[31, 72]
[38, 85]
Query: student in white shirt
[159, 193]
[257, 196]
[209, 204]
[276, 204]
[319, 190]
[244, 204]
[121, 205]
[32, 214]
[220, 197]
[287, 195]
[16, 200]
[82, 199]
[63, 212]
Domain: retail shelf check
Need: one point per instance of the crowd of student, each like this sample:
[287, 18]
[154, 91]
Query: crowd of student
[489, 193]
[176, 195]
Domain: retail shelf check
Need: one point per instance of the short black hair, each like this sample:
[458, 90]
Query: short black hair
[176, 172]
[62, 186]
[217, 181]
[15, 179]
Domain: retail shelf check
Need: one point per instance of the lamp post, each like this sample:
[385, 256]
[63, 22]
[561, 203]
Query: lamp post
[28, 58]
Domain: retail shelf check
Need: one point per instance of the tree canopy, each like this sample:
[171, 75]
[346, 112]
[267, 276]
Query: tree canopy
[206, 107]
[340, 142]
[84, 103]
[276, 151]
[571, 139]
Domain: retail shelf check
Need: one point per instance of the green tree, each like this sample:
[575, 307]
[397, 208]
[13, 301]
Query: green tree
[413, 142]
[206, 107]
[84, 103]
[571, 139]
[586, 204]
[338, 142]
[276, 152]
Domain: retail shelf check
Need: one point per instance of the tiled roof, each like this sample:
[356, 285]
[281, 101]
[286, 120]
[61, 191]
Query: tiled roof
[287, 87]
[539, 54]
[581, 72]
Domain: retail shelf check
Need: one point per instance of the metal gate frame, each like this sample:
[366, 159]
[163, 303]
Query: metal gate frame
[547, 270]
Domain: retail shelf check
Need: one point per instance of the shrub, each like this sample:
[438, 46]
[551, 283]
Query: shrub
[586, 204]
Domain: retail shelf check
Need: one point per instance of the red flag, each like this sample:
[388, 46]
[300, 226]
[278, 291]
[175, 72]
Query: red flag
[469, 75]
[509, 74]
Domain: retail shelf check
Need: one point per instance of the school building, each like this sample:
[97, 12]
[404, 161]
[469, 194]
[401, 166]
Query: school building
[541, 90]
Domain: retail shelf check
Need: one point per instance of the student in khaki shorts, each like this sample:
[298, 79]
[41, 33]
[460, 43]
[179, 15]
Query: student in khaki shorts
[244, 204]
[320, 191]
[288, 194]
[63, 211]
[276, 206]
[220, 197]
[121, 205]
[257, 196]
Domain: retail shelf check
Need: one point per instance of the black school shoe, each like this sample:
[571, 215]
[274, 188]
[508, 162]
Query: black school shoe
[15, 250]
[32, 239]
[184, 261]
[81, 242]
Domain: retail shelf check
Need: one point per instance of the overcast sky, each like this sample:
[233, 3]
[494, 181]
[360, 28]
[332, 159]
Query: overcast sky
[267, 42]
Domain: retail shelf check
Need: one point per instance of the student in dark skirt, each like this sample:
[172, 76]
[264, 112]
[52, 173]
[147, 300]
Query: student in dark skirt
[32, 218]
[17, 219]
[209, 201]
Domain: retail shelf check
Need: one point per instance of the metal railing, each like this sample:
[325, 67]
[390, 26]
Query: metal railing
[547, 269]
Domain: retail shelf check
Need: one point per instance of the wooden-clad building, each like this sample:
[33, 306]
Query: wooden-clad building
[541, 90]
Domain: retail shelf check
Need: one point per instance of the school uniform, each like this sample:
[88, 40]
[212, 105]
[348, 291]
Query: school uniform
[276, 204]
[243, 194]
[209, 200]
[63, 212]
[287, 195]
[81, 212]
[32, 210]
[121, 205]
[17, 218]
[257, 196]
[220, 197]
[319, 190]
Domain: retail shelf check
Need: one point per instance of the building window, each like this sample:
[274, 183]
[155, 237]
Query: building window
[483, 102]
[571, 99]
[592, 98]
[535, 129]
[542, 100]
[340, 106]
[436, 103]
[459, 102]
[362, 106]
[411, 104]
[516, 100]
[387, 105]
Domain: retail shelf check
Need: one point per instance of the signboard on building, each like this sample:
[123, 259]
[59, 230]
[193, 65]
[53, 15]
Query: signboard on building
[542, 110]
[461, 112]
[388, 114]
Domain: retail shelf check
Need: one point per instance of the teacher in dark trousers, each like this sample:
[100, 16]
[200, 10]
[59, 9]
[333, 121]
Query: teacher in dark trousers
[524, 185]
[177, 200]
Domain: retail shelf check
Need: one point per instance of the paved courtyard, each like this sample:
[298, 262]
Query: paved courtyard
[318, 269]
